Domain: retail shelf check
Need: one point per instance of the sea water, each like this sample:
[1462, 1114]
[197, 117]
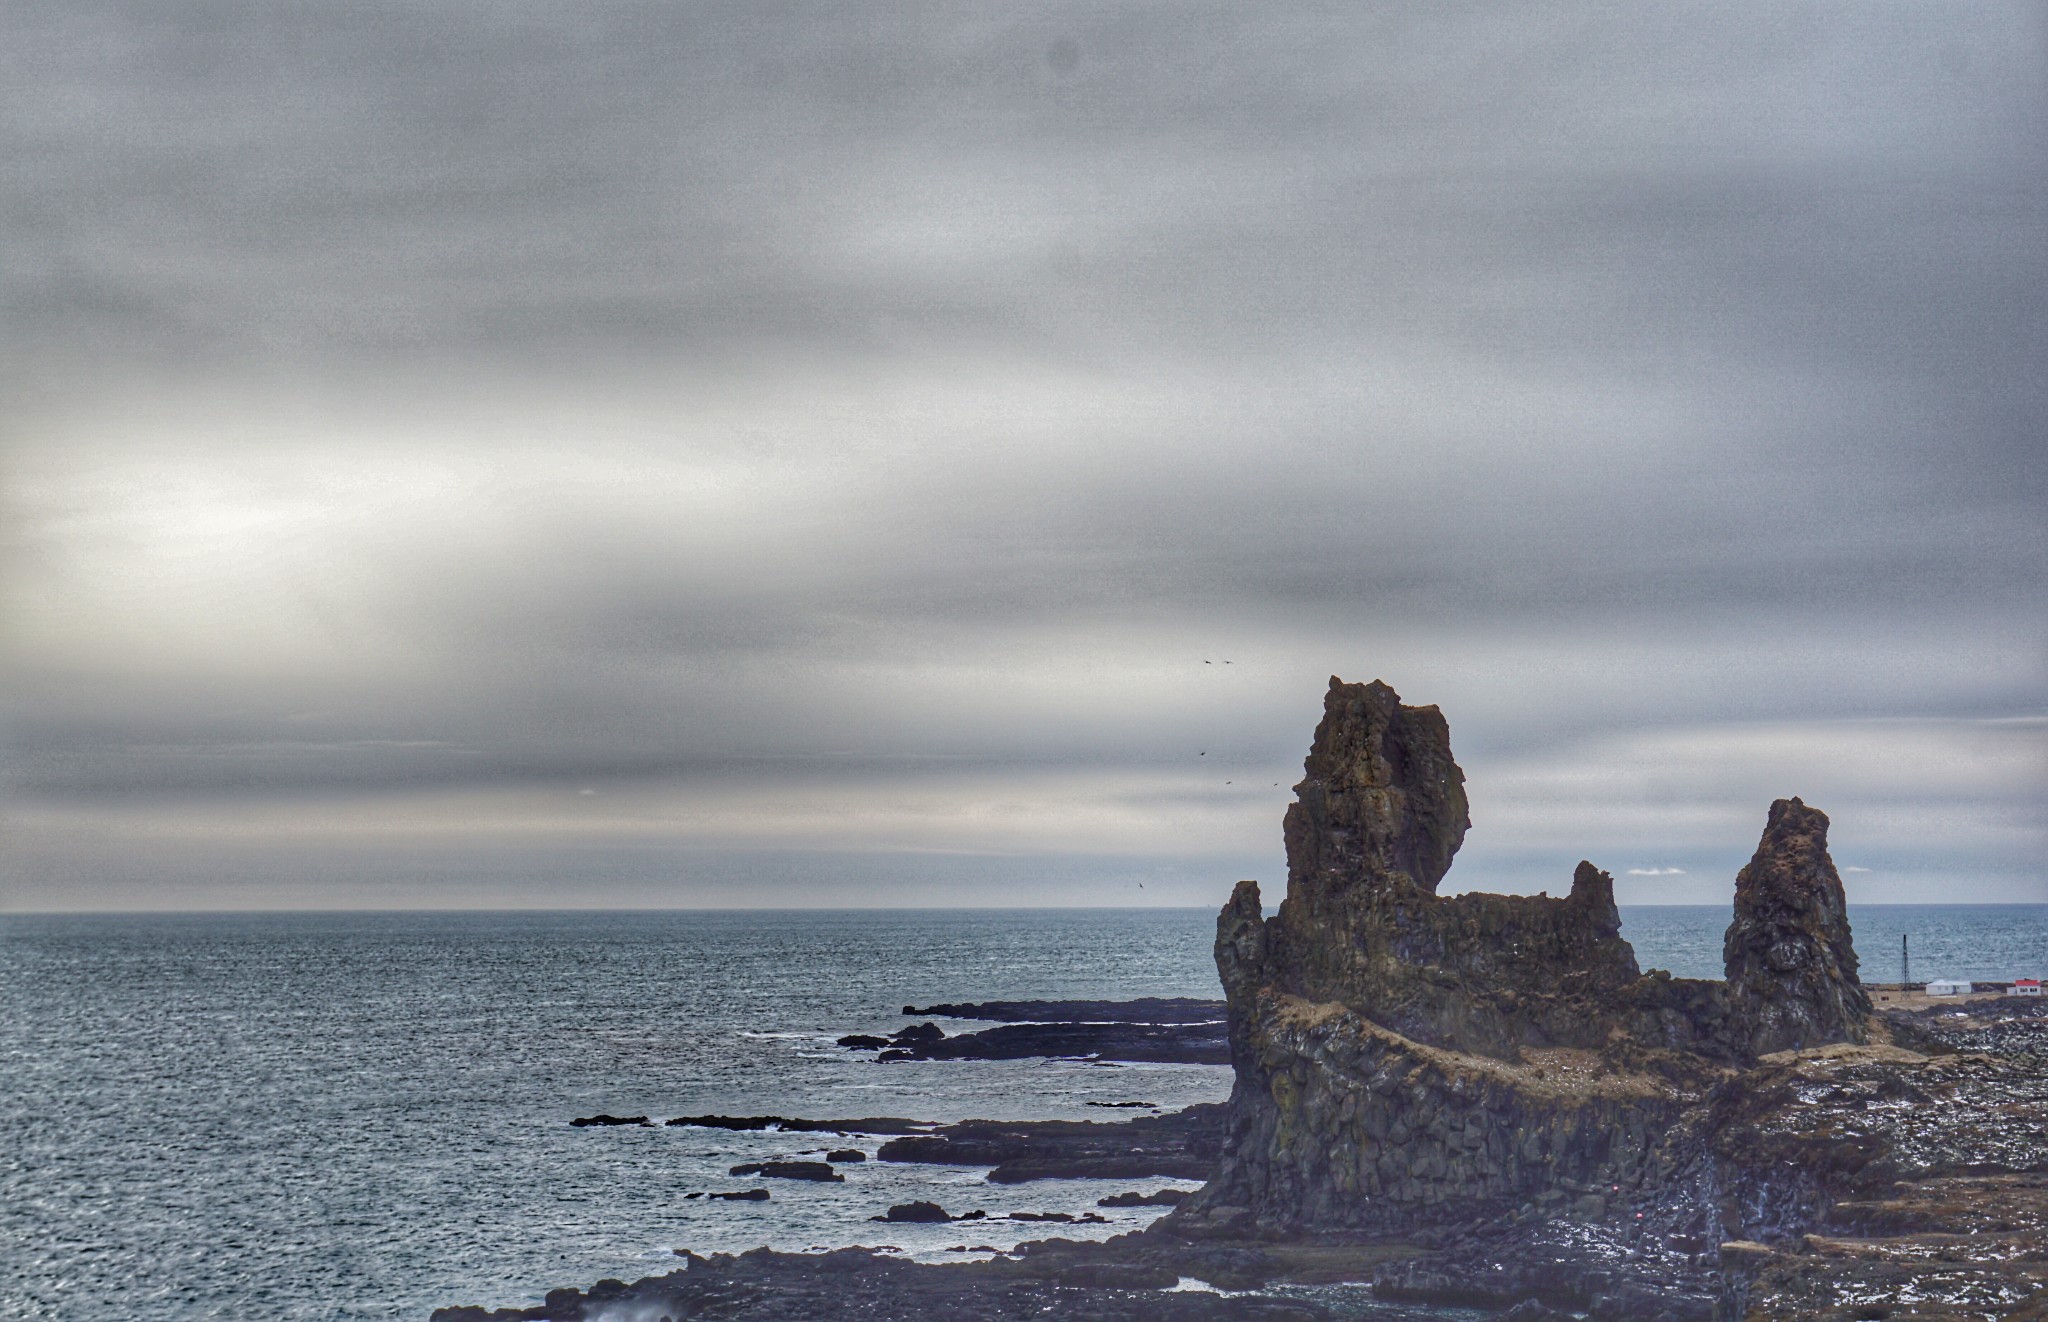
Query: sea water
[354, 1116]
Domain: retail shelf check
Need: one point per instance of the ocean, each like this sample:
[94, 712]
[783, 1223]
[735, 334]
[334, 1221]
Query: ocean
[365, 1115]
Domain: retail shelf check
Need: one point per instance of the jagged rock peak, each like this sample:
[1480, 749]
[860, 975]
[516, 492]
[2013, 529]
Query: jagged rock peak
[1381, 798]
[1791, 968]
[1241, 941]
[1593, 889]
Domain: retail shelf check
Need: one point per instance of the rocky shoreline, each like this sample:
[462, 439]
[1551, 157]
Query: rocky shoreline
[1889, 1179]
[1478, 1101]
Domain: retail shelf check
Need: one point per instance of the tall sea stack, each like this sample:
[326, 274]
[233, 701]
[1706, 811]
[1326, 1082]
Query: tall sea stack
[1791, 969]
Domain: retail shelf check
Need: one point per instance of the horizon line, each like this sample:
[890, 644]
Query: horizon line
[853, 908]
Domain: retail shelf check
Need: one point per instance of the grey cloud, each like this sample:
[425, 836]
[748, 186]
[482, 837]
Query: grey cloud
[491, 393]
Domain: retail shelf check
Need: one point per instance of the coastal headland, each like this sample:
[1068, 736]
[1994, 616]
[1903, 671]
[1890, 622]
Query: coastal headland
[1482, 1101]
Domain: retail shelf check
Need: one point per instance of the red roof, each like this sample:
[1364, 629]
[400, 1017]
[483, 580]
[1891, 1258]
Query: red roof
[2026, 982]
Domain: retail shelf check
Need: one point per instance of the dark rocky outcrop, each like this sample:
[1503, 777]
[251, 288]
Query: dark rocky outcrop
[1405, 1058]
[877, 1125]
[1157, 1031]
[1181, 1145]
[1160, 1198]
[1378, 816]
[1185, 1044]
[1791, 968]
[1050, 1280]
[918, 1211]
[1144, 1010]
[790, 1170]
[1380, 799]
[607, 1121]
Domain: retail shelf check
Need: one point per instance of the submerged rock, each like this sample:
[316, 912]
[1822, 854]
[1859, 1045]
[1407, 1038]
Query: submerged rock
[1185, 1044]
[1162, 1198]
[918, 1211]
[790, 1170]
[794, 1125]
[1180, 1145]
[1144, 1010]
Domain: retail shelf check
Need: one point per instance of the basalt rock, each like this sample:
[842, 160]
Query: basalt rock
[792, 1125]
[1180, 1145]
[1059, 1280]
[791, 1170]
[1144, 1010]
[1409, 1060]
[1173, 1043]
[1791, 969]
[918, 1211]
[1378, 816]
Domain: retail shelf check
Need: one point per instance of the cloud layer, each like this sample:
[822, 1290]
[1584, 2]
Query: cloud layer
[836, 435]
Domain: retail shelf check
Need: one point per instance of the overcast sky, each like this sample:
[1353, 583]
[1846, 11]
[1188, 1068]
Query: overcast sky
[487, 453]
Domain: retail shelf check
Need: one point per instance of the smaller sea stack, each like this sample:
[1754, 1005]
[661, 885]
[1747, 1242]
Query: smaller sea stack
[1791, 969]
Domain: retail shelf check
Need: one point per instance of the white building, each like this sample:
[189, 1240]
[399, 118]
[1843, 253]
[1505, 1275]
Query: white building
[1949, 987]
[2025, 987]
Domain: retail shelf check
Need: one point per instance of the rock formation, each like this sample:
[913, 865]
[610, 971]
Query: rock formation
[1791, 970]
[1378, 816]
[1405, 1058]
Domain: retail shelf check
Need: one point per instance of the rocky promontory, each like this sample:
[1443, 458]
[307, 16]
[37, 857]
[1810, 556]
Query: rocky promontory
[1483, 1101]
[1498, 1070]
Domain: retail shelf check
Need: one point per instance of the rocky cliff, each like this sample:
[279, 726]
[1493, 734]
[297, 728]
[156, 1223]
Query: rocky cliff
[1407, 1059]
